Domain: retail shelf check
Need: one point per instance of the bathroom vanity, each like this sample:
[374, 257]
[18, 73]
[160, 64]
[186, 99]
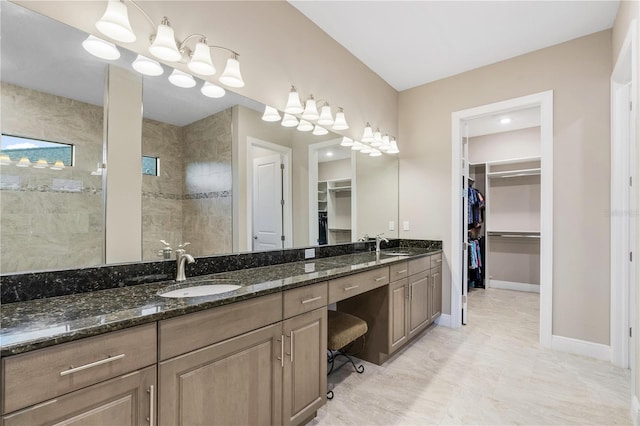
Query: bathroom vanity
[256, 355]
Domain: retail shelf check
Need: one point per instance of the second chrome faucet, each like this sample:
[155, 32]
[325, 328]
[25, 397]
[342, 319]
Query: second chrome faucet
[182, 258]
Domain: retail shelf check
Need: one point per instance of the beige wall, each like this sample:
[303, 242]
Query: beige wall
[627, 12]
[505, 145]
[278, 45]
[337, 169]
[41, 227]
[578, 72]
[377, 195]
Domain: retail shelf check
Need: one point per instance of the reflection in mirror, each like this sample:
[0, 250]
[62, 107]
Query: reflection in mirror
[211, 160]
[52, 91]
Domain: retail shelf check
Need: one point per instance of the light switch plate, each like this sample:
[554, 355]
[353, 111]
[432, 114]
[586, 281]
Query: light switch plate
[405, 225]
[309, 267]
[309, 253]
[392, 225]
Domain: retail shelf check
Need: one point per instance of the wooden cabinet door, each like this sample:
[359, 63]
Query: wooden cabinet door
[436, 293]
[234, 382]
[398, 314]
[419, 302]
[125, 400]
[305, 366]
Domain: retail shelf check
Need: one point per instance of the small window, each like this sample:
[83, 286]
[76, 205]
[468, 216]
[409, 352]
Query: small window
[150, 166]
[16, 147]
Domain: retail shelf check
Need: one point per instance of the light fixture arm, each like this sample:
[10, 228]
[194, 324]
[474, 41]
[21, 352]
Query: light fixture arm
[203, 39]
[141, 10]
[233, 52]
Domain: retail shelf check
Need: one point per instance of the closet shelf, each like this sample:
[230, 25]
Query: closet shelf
[340, 189]
[515, 173]
[339, 230]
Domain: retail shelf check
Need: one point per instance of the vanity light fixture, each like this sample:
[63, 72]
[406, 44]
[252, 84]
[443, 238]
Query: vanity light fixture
[366, 149]
[305, 126]
[357, 146]
[294, 106]
[310, 110]
[211, 90]
[289, 120]
[394, 147]
[367, 135]
[164, 43]
[346, 141]
[101, 48]
[41, 164]
[340, 122]
[386, 144]
[377, 138]
[58, 165]
[5, 160]
[115, 24]
[325, 118]
[320, 131]
[24, 162]
[147, 66]
[270, 114]
[181, 79]
[375, 153]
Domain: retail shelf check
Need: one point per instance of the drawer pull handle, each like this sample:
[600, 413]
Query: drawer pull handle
[351, 288]
[438, 260]
[91, 365]
[379, 279]
[401, 272]
[152, 397]
[281, 357]
[313, 299]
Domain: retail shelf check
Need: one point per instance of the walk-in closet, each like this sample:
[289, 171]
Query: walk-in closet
[503, 223]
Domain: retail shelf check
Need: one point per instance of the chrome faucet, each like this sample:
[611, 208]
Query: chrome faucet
[379, 238]
[182, 257]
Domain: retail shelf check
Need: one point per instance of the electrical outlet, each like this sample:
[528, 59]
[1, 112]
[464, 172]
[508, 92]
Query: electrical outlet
[309, 253]
[309, 267]
[392, 225]
[405, 225]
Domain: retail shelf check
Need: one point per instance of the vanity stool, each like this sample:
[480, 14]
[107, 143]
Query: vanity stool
[342, 331]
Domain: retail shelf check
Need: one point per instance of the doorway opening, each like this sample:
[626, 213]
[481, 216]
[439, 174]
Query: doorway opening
[542, 103]
[269, 205]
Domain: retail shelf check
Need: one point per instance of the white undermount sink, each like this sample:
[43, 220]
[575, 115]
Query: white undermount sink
[200, 288]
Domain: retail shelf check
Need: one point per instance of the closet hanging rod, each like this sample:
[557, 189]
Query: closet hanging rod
[521, 235]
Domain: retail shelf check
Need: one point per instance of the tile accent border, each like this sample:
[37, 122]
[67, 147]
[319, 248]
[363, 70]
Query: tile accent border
[42, 284]
[581, 347]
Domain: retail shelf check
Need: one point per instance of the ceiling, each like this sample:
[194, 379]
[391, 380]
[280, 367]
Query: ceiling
[410, 43]
[493, 123]
[45, 55]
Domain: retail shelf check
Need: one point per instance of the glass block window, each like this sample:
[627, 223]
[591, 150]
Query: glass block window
[17, 147]
[150, 166]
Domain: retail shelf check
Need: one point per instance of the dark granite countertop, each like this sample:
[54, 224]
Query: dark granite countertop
[40, 323]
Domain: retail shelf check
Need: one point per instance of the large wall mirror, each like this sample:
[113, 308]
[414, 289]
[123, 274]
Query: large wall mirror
[214, 173]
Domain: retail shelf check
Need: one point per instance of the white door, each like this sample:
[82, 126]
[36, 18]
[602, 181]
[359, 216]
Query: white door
[267, 211]
[465, 215]
[632, 226]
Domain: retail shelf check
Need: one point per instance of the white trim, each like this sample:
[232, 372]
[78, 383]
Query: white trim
[443, 320]
[622, 132]
[512, 285]
[635, 410]
[545, 101]
[288, 205]
[581, 347]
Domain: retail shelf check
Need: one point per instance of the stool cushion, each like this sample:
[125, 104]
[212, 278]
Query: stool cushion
[343, 329]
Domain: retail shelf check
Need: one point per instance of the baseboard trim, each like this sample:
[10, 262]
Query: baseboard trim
[581, 347]
[444, 320]
[635, 410]
[512, 285]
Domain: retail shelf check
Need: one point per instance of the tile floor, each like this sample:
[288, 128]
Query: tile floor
[490, 372]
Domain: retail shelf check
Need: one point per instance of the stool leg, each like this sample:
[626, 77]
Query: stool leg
[331, 357]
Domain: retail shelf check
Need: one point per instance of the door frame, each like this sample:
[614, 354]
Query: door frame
[623, 132]
[313, 187]
[545, 101]
[287, 190]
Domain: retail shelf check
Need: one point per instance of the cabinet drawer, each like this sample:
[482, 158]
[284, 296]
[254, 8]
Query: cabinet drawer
[419, 265]
[304, 299]
[398, 271]
[193, 331]
[345, 287]
[46, 373]
[436, 260]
